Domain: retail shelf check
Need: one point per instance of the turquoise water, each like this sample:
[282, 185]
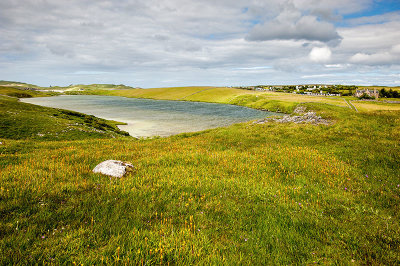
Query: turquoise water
[146, 118]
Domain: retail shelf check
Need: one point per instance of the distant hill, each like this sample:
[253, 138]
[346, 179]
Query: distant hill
[17, 84]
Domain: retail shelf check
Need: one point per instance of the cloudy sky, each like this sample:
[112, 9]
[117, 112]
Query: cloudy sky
[163, 43]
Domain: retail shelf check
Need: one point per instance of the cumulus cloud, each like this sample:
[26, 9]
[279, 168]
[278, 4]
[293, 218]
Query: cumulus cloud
[194, 42]
[293, 22]
[372, 59]
[389, 57]
[332, 10]
[396, 49]
[371, 44]
[320, 54]
[370, 38]
[305, 28]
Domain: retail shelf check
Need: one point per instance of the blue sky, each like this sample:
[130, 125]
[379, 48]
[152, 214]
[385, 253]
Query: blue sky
[376, 8]
[157, 43]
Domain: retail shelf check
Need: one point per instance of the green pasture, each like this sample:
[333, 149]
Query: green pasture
[253, 194]
[27, 121]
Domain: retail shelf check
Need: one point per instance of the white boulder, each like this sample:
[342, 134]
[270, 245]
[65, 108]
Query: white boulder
[113, 168]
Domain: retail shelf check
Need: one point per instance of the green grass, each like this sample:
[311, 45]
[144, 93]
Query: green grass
[173, 93]
[271, 101]
[367, 106]
[95, 87]
[262, 102]
[245, 194]
[27, 121]
[16, 84]
[276, 102]
[380, 87]
[19, 93]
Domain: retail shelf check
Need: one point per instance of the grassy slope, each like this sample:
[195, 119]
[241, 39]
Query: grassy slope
[208, 94]
[16, 84]
[18, 93]
[380, 87]
[366, 106]
[95, 87]
[260, 100]
[27, 121]
[272, 101]
[253, 194]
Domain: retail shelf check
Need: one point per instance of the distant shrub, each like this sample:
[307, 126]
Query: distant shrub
[19, 94]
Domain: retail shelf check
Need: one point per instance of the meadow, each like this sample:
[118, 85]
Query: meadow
[14, 91]
[26, 121]
[249, 193]
[264, 100]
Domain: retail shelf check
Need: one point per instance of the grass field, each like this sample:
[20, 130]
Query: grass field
[26, 121]
[271, 101]
[380, 87]
[246, 194]
[202, 94]
[18, 93]
[367, 106]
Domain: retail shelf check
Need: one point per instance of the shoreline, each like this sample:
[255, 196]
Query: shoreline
[156, 122]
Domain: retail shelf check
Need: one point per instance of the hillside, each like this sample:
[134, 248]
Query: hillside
[27, 121]
[273, 193]
[271, 101]
[265, 100]
[16, 84]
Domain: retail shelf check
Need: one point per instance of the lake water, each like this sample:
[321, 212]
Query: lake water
[147, 118]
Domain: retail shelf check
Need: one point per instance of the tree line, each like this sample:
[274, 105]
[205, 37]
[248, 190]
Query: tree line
[389, 93]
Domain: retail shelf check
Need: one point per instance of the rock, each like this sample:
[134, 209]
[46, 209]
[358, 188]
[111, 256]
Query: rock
[309, 118]
[300, 109]
[113, 168]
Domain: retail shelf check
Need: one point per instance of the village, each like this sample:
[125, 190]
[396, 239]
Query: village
[363, 93]
[328, 90]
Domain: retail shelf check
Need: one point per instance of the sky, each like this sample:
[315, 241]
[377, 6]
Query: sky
[165, 43]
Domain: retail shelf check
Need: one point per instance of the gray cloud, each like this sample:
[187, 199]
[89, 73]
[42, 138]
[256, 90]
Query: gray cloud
[332, 10]
[294, 23]
[143, 43]
[387, 57]
[305, 28]
[371, 44]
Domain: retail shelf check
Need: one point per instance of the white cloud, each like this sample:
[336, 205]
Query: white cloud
[318, 76]
[305, 28]
[331, 9]
[337, 65]
[292, 24]
[384, 58]
[370, 38]
[142, 42]
[396, 49]
[372, 44]
[320, 54]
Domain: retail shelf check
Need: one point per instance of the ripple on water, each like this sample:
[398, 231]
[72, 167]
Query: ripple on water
[145, 117]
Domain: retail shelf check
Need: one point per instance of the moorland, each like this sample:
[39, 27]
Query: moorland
[270, 193]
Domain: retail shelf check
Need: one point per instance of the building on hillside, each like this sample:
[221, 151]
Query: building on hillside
[371, 93]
